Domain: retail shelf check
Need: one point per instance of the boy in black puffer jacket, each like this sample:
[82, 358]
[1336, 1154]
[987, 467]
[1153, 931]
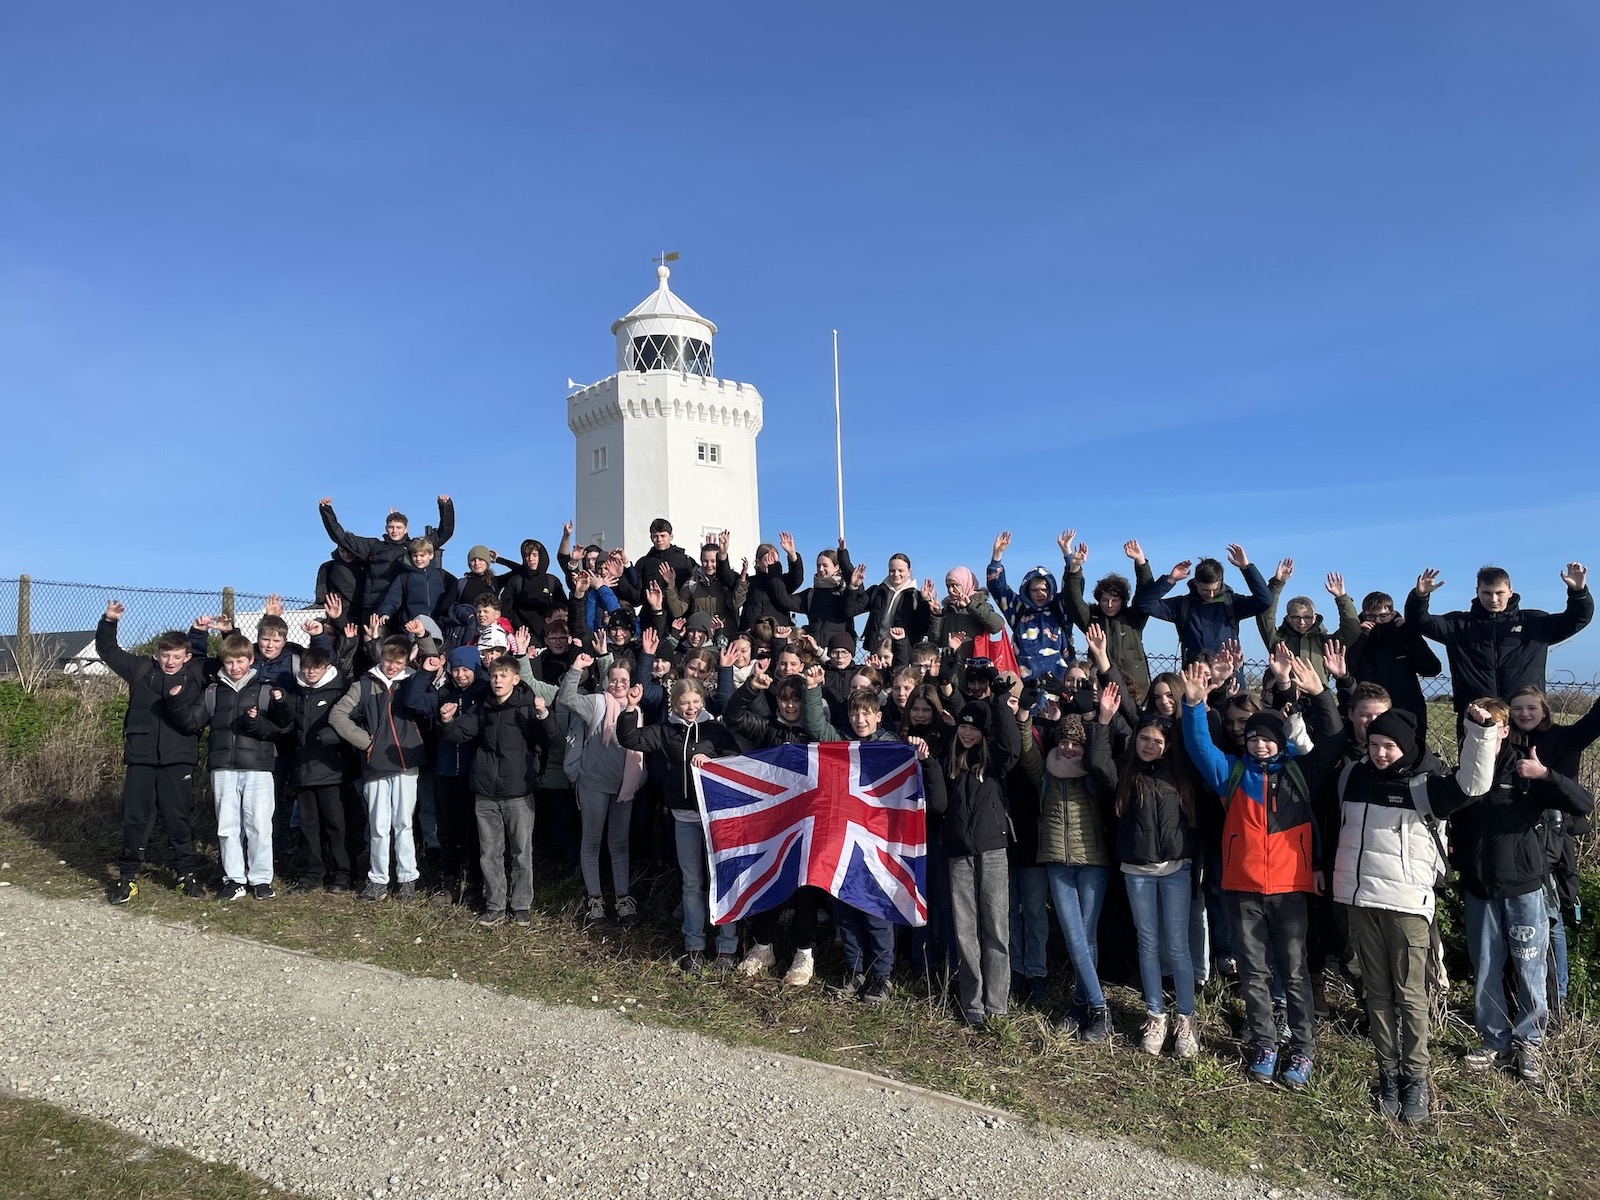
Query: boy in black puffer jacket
[507, 733]
[160, 756]
[321, 770]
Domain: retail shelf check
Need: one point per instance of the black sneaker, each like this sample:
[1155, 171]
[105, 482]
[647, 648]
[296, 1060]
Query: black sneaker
[521, 917]
[692, 961]
[375, 892]
[339, 887]
[876, 991]
[263, 891]
[1096, 1029]
[232, 890]
[492, 918]
[303, 886]
[191, 887]
[124, 891]
[1039, 992]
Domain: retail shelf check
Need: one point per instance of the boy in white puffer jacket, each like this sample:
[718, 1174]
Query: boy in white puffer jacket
[1390, 857]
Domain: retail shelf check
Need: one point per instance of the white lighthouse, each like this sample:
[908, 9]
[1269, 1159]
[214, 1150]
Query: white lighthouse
[664, 437]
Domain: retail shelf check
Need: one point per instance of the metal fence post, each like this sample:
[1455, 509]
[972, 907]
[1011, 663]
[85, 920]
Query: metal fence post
[227, 604]
[23, 647]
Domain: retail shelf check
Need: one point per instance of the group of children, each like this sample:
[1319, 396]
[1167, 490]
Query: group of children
[432, 723]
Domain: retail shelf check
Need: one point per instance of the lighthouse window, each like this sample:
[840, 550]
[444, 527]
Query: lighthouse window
[597, 459]
[708, 453]
[696, 356]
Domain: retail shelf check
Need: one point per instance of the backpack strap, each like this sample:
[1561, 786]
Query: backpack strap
[1344, 777]
[1235, 777]
[1424, 806]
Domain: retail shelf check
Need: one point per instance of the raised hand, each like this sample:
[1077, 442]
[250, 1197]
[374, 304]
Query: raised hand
[920, 746]
[351, 629]
[760, 680]
[1079, 557]
[716, 625]
[1531, 767]
[375, 625]
[273, 606]
[953, 640]
[582, 661]
[1001, 541]
[1576, 576]
[325, 502]
[433, 664]
[723, 539]
[786, 540]
[744, 568]
[333, 606]
[1110, 701]
[649, 640]
[581, 581]
[665, 571]
[1479, 715]
[448, 710]
[813, 677]
[635, 694]
[442, 498]
[1279, 663]
[1180, 572]
[730, 656]
[652, 595]
[203, 621]
[521, 640]
[681, 624]
[540, 708]
[1335, 584]
[1237, 556]
[1333, 658]
[1285, 569]
[1064, 541]
[414, 627]
[313, 628]
[1305, 677]
[1196, 683]
[1429, 582]
[783, 632]
[858, 576]
[1133, 550]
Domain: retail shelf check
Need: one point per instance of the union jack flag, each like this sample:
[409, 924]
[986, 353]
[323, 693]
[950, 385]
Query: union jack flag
[847, 817]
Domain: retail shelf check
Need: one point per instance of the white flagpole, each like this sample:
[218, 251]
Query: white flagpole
[838, 435]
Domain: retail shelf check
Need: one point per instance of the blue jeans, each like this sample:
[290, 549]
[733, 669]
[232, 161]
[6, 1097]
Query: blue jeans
[1160, 905]
[691, 841]
[1030, 921]
[1514, 931]
[1078, 894]
[868, 941]
[1558, 945]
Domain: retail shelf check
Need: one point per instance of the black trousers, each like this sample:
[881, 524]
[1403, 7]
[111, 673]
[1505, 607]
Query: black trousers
[808, 902]
[322, 834]
[168, 791]
[454, 808]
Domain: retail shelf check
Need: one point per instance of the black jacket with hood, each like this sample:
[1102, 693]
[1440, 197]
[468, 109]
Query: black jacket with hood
[531, 596]
[976, 818]
[678, 742]
[1500, 844]
[321, 758]
[508, 742]
[1495, 654]
[151, 733]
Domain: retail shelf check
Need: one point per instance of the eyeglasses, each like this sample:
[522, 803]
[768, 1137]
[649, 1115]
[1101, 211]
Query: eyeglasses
[1385, 615]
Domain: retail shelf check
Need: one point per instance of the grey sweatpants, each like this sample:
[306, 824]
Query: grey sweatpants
[980, 902]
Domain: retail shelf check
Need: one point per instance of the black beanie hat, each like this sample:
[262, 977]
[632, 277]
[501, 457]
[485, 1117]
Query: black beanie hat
[1400, 727]
[1269, 724]
[976, 714]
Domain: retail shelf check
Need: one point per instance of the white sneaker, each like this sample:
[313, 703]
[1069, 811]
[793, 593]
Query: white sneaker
[1154, 1036]
[761, 958]
[800, 970]
[1185, 1042]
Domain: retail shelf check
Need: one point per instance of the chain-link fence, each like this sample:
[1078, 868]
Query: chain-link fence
[47, 626]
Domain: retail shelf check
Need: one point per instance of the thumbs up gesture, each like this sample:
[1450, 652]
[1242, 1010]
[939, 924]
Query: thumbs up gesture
[1531, 767]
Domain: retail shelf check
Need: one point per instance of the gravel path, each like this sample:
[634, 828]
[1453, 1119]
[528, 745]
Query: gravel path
[336, 1079]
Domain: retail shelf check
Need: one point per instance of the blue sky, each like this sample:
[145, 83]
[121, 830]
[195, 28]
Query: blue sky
[1318, 279]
